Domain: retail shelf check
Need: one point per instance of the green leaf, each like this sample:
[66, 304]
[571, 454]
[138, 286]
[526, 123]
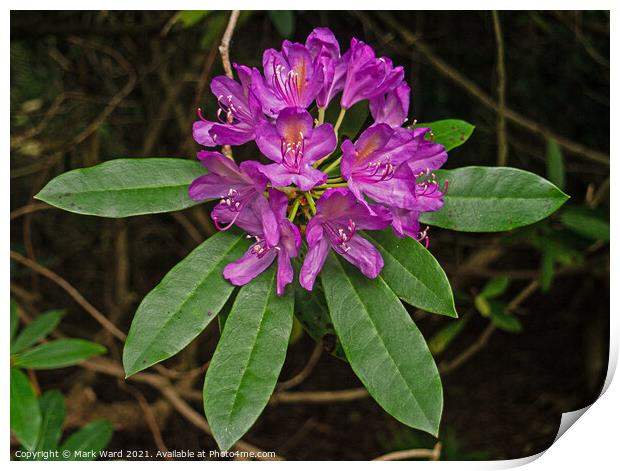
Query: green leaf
[36, 330]
[493, 199]
[587, 222]
[53, 411]
[495, 287]
[312, 312]
[58, 354]
[450, 133]
[555, 164]
[284, 21]
[189, 18]
[124, 187]
[86, 443]
[14, 318]
[248, 358]
[503, 320]
[384, 347]
[442, 338]
[179, 308]
[482, 305]
[547, 270]
[25, 413]
[413, 273]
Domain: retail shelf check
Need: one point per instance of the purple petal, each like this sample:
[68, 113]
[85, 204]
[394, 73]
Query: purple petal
[307, 178]
[396, 191]
[285, 272]
[393, 107]
[271, 228]
[290, 238]
[248, 267]
[405, 222]
[278, 201]
[313, 263]
[323, 41]
[208, 187]
[322, 143]
[294, 124]
[364, 256]
[232, 134]
[200, 131]
[268, 141]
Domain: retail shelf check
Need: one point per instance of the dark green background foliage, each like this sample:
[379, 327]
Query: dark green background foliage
[88, 87]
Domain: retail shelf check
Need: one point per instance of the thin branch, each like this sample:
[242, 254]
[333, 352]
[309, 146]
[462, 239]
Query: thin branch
[71, 291]
[306, 371]
[317, 397]
[29, 208]
[411, 40]
[225, 44]
[502, 141]
[150, 420]
[432, 455]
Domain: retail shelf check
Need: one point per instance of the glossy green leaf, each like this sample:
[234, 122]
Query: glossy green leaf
[384, 347]
[312, 312]
[413, 274]
[53, 411]
[179, 308]
[555, 164]
[450, 133]
[58, 354]
[86, 443]
[25, 413]
[247, 361]
[284, 21]
[495, 287]
[493, 199]
[124, 187]
[14, 318]
[590, 223]
[36, 330]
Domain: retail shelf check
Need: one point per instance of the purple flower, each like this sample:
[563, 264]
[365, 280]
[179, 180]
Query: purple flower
[260, 255]
[367, 76]
[338, 217]
[428, 155]
[292, 79]
[295, 145]
[325, 52]
[239, 112]
[392, 107]
[428, 198]
[239, 190]
[373, 165]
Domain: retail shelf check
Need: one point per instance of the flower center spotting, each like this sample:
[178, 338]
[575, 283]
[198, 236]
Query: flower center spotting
[340, 234]
[293, 151]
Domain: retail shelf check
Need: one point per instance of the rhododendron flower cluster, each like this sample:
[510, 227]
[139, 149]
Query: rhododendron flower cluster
[315, 188]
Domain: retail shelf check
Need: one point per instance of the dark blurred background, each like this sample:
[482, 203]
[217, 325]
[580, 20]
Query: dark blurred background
[87, 87]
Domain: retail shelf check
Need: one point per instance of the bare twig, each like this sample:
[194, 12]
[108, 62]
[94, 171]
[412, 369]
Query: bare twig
[225, 44]
[306, 371]
[71, 291]
[410, 39]
[502, 141]
[320, 396]
[150, 420]
[29, 208]
[432, 455]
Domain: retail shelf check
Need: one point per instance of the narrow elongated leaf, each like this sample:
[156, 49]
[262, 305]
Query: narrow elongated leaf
[495, 287]
[248, 358]
[284, 21]
[36, 330]
[555, 164]
[124, 187]
[86, 443]
[441, 339]
[384, 347]
[413, 274]
[25, 413]
[493, 199]
[58, 354]
[587, 222]
[183, 303]
[53, 411]
[14, 318]
[450, 133]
